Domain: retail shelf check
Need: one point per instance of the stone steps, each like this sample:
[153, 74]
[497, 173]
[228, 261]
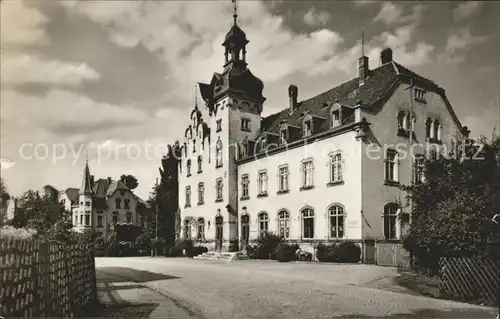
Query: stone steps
[222, 255]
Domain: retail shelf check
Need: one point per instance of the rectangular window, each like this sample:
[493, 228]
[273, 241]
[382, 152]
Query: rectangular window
[336, 168]
[81, 219]
[262, 183]
[283, 178]
[420, 95]
[419, 170]
[308, 227]
[307, 128]
[99, 221]
[201, 193]
[219, 125]
[307, 173]
[115, 218]
[283, 135]
[188, 167]
[87, 220]
[245, 124]
[188, 196]
[126, 203]
[218, 187]
[391, 166]
[245, 181]
[87, 204]
[336, 119]
[200, 161]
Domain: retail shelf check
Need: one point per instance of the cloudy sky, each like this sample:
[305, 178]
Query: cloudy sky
[109, 74]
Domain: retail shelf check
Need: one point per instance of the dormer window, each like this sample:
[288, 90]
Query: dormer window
[420, 95]
[336, 118]
[283, 135]
[263, 144]
[402, 120]
[245, 124]
[307, 127]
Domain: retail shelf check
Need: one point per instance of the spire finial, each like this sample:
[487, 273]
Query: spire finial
[195, 95]
[363, 43]
[87, 156]
[235, 15]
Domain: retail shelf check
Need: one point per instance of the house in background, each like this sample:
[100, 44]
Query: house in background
[102, 203]
[325, 168]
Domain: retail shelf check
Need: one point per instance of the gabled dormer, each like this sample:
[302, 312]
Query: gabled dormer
[311, 124]
[341, 115]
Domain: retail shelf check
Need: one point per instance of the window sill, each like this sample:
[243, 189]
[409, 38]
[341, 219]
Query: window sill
[306, 188]
[202, 203]
[218, 200]
[391, 183]
[199, 172]
[285, 191]
[186, 206]
[262, 195]
[335, 183]
[245, 129]
[218, 166]
[421, 100]
[217, 131]
[188, 175]
[433, 140]
[245, 198]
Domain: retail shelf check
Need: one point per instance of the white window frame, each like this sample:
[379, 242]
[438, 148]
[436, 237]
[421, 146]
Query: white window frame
[188, 196]
[262, 182]
[418, 166]
[391, 166]
[283, 178]
[336, 212]
[219, 189]
[245, 182]
[263, 222]
[218, 153]
[390, 214]
[303, 217]
[307, 124]
[307, 168]
[284, 224]
[201, 193]
[336, 167]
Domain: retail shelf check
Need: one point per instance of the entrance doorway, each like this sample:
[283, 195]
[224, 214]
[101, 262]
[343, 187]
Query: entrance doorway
[245, 232]
[219, 234]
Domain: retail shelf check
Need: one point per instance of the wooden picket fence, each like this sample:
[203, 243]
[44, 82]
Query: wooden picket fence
[45, 279]
[470, 279]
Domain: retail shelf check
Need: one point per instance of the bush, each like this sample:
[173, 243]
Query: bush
[286, 252]
[265, 247]
[343, 252]
[180, 246]
[16, 233]
[143, 242]
[302, 255]
[196, 250]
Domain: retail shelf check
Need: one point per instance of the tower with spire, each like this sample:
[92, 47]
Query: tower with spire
[233, 104]
[85, 196]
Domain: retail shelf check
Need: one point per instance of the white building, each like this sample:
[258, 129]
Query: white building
[326, 168]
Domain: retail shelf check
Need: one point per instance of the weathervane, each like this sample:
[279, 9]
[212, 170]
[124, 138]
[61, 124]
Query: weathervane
[235, 15]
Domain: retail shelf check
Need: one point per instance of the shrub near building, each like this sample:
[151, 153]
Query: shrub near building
[343, 252]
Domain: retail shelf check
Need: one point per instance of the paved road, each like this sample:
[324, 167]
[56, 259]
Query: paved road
[266, 289]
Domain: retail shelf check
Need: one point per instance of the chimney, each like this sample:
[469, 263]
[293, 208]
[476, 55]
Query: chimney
[92, 180]
[109, 180]
[386, 55]
[363, 69]
[293, 91]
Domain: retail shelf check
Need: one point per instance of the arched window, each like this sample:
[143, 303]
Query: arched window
[284, 224]
[336, 220]
[129, 217]
[307, 223]
[218, 151]
[437, 130]
[201, 228]
[390, 216]
[115, 217]
[263, 223]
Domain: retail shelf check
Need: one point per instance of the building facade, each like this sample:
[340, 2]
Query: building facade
[326, 168]
[100, 204]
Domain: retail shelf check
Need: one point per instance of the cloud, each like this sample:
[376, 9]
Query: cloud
[19, 69]
[21, 26]
[392, 13]
[361, 3]
[66, 112]
[314, 18]
[466, 9]
[459, 41]
[188, 38]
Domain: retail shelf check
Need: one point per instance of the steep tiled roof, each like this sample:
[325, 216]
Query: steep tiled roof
[377, 84]
[116, 185]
